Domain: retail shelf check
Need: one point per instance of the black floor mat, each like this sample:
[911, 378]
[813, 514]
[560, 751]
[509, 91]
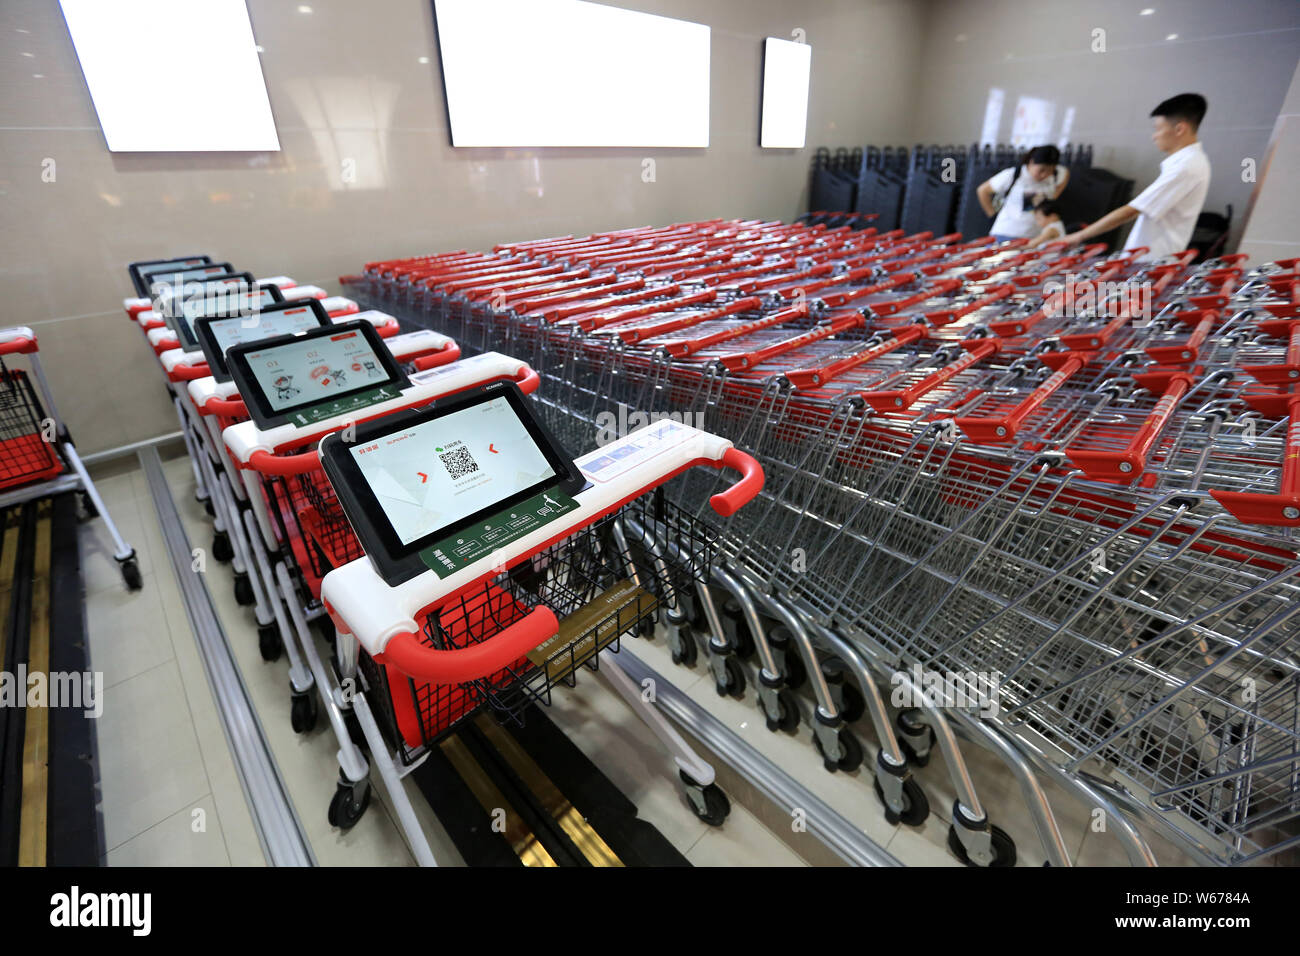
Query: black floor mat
[75, 837]
[603, 806]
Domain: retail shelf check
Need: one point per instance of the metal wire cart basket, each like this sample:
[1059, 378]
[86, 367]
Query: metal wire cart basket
[25, 455]
[603, 582]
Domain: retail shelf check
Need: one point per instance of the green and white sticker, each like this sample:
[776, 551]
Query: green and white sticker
[317, 413]
[476, 542]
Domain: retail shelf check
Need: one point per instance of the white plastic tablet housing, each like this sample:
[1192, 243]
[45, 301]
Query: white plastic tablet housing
[284, 283]
[173, 358]
[303, 292]
[337, 305]
[161, 334]
[245, 438]
[376, 612]
[202, 389]
[373, 316]
[407, 344]
[17, 332]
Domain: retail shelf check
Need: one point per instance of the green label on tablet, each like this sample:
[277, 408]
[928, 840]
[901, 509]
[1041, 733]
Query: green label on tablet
[479, 540]
[317, 413]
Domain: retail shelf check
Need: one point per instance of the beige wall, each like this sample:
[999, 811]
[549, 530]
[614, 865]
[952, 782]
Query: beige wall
[1240, 54]
[345, 83]
[1273, 229]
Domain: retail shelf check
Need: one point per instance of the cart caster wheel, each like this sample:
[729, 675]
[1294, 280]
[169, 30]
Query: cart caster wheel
[269, 643]
[302, 713]
[796, 674]
[788, 713]
[221, 548]
[737, 628]
[647, 628]
[911, 728]
[88, 506]
[716, 805]
[243, 590]
[916, 804]
[345, 809]
[851, 758]
[735, 680]
[131, 574]
[1004, 848]
[689, 651]
[852, 705]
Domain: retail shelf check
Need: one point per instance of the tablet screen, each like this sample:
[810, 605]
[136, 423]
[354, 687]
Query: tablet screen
[141, 272]
[231, 301]
[316, 369]
[438, 472]
[171, 276]
[264, 325]
[171, 299]
[153, 268]
[214, 298]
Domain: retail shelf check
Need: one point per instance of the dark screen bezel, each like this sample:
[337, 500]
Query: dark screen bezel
[184, 330]
[216, 357]
[397, 562]
[138, 281]
[225, 267]
[255, 397]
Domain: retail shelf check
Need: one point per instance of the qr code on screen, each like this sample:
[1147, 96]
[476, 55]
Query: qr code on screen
[459, 462]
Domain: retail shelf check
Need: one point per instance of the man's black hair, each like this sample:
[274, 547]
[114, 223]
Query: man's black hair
[1048, 207]
[1185, 107]
[1044, 155]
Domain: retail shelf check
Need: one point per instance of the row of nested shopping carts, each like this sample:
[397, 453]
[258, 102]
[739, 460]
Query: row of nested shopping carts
[408, 664]
[1043, 500]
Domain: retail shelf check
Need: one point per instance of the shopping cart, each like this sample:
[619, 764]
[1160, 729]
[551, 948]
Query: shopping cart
[949, 432]
[510, 624]
[302, 531]
[37, 456]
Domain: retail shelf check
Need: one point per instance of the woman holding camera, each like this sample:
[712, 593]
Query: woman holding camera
[1009, 197]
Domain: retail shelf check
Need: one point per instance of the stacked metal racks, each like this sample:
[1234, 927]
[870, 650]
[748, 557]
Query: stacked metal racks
[1066, 483]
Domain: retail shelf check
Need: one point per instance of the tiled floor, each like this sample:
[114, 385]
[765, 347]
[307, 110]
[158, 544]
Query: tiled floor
[171, 795]
[169, 789]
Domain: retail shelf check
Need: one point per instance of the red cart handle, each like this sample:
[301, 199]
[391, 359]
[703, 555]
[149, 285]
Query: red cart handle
[190, 373]
[444, 357]
[22, 344]
[528, 380]
[405, 652]
[229, 407]
[727, 503]
[1283, 506]
[1128, 463]
[268, 464]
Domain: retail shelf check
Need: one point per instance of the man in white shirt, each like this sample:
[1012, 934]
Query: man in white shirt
[1166, 211]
